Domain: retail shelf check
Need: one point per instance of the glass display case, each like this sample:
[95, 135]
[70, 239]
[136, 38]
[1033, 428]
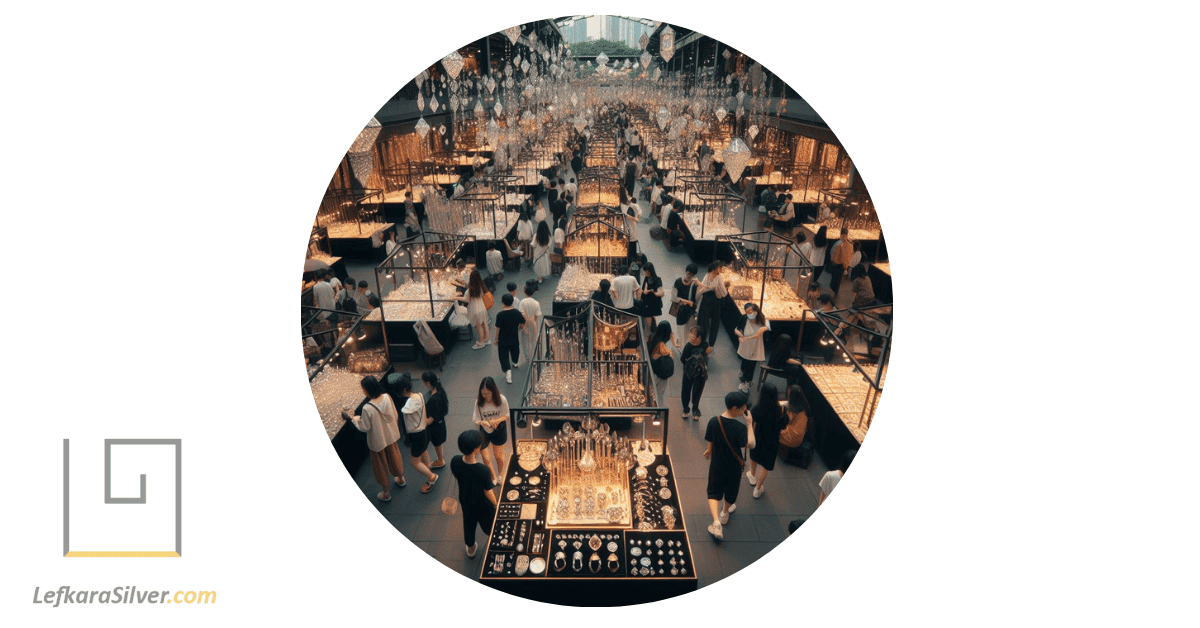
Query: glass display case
[597, 239]
[417, 283]
[599, 186]
[589, 506]
[353, 221]
[769, 270]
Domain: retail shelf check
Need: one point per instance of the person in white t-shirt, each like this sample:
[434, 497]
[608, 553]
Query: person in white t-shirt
[495, 261]
[531, 309]
[832, 478]
[324, 295]
[624, 289]
[415, 422]
[491, 415]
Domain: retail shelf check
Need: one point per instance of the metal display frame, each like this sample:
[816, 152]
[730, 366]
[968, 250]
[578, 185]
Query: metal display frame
[592, 223]
[430, 255]
[869, 321]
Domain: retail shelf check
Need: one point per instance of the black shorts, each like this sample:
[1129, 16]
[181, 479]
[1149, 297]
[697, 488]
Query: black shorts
[724, 486]
[437, 432]
[418, 442]
[499, 436]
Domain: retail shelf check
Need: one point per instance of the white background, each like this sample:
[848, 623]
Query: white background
[1033, 166]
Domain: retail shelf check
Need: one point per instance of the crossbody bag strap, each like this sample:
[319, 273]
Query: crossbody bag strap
[736, 456]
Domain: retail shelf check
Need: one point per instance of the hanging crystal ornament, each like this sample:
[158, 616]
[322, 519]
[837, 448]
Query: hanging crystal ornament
[740, 112]
[645, 59]
[420, 102]
[361, 159]
[602, 59]
[726, 54]
[525, 66]
[736, 156]
[752, 131]
[574, 100]
[513, 33]
[663, 117]
[453, 63]
[782, 105]
[508, 82]
[666, 44]
[433, 104]
[533, 37]
[499, 109]
[741, 97]
[643, 40]
[657, 73]
[720, 113]
[442, 129]
[478, 108]
[490, 84]
[454, 102]
[422, 127]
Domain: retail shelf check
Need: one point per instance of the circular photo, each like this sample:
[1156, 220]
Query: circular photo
[596, 310]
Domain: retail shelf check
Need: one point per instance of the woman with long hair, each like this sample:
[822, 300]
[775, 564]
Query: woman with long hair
[652, 296]
[491, 414]
[783, 359]
[768, 423]
[820, 246]
[477, 313]
[661, 343]
[541, 252]
[750, 343]
[437, 407]
[525, 232]
[604, 295]
[797, 411]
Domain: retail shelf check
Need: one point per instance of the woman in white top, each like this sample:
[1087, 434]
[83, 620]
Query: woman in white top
[531, 309]
[560, 234]
[491, 415]
[378, 420]
[541, 252]
[750, 343]
[525, 233]
[415, 422]
[832, 478]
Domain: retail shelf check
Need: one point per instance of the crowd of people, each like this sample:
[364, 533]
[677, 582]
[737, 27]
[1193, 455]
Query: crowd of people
[682, 317]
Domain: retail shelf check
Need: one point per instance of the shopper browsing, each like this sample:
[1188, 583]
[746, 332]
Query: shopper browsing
[437, 407]
[509, 323]
[768, 423]
[727, 437]
[477, 312]
[491, 414]
[694, 361]
[475, 484]
[415, 421]
[379, 420]
[750, 343]
[624, 290]
[531, 309]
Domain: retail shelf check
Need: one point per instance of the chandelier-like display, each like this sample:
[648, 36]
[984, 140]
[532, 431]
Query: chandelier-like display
[666, 44]
[453, 64]
[736, 156]
[422, 127]
[513, 33]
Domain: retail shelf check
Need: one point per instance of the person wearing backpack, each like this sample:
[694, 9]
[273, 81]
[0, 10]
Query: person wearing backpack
[694, 358]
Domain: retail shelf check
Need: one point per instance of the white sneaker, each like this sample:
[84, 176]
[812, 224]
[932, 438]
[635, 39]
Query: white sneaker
[508, 376]
[758, 492]
[750, 476]
[716, 531]
[471, 552]
[478, 345]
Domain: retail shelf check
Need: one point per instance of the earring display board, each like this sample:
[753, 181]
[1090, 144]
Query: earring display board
[643, 559]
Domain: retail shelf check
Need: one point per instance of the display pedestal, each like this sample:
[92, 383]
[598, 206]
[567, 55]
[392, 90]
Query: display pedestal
[832, 437]
[587, 565]
[881, 281]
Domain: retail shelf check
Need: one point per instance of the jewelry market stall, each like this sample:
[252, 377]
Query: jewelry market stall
[575, 287]
[769, 270]
[352, 219]
[713, 214]
[597, 239]
[844, 392]
[599, 186]
[854, 210]
[339, 352]
[483, 215]
[417, 283]
[589, 513]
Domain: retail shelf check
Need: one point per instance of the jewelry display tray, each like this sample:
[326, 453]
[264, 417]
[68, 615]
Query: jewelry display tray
[622, 564]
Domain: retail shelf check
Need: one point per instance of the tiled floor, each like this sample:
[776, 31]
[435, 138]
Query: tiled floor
[754, 529]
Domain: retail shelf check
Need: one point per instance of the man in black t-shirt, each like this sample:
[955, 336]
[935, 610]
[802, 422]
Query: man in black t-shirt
[726, 438]
[475, 485]
[507, 338]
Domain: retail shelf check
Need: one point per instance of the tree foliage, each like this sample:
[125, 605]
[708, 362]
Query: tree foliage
[610, 48]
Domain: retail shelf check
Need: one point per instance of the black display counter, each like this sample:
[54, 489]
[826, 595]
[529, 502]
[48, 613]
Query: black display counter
[881, 281]
[402, 335]
[614, 565]
[351, 447]
[831, 438]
